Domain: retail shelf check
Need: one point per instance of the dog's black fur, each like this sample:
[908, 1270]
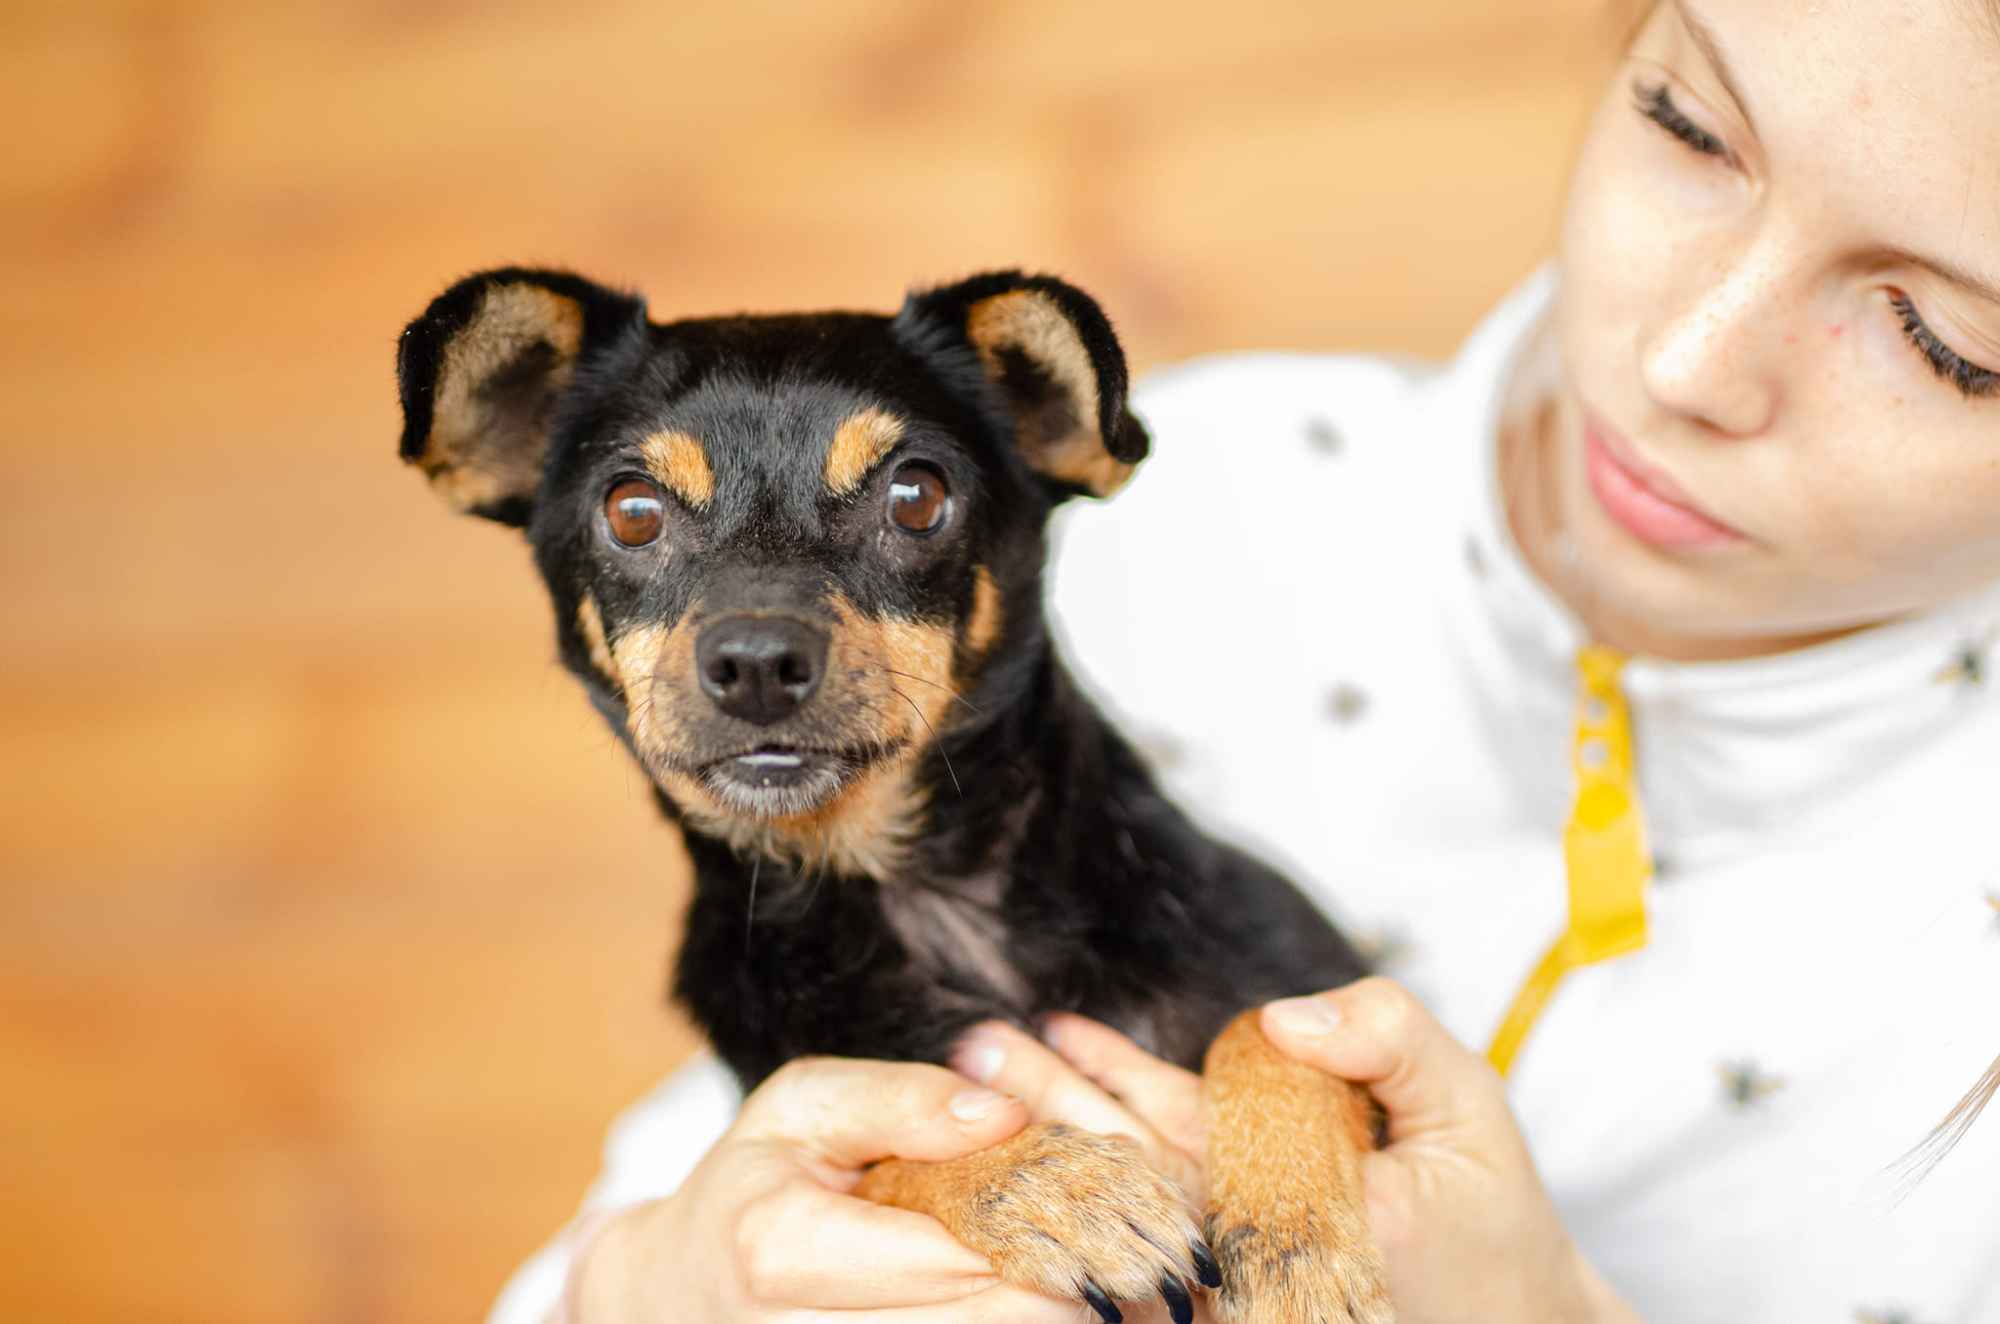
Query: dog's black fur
[1041, 869]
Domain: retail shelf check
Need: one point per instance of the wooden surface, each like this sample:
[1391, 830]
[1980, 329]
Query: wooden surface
[333, 927]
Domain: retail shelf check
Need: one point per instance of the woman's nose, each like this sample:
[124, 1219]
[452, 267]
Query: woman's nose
[1711, 359]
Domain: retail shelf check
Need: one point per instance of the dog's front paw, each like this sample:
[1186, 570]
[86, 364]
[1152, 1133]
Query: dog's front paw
[1297, 1269]
[1064, 1212]
[1072, 1213]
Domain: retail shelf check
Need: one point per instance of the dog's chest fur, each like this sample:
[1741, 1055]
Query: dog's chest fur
[956, 937]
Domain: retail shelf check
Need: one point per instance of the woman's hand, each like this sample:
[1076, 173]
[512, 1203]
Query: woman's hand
[1465, 1227]
[763, 1230]
[1454, 1203]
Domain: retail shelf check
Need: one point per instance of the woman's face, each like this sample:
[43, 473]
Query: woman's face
[1779, 323]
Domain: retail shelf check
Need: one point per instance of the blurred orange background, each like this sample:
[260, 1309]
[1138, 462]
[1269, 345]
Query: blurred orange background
[333, 926]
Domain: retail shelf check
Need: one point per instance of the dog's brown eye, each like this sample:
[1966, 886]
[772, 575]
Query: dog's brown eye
[917, 498]
[635, 512]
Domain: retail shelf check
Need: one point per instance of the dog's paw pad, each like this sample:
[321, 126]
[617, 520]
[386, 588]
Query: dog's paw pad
[1072, 1214]
[1305, 1274]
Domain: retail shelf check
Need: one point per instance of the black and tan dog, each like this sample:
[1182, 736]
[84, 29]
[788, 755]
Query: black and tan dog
[796, 562]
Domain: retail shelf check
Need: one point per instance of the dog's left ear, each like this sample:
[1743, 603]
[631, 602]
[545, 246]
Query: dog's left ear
[1048, 351]
[482, 370]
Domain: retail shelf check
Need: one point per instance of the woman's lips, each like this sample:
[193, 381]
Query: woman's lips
[1645, 503]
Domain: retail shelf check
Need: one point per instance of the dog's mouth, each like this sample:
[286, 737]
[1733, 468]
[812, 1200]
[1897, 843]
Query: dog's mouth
[779, 781]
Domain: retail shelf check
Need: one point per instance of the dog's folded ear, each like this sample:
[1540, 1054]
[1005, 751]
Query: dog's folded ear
[1049, 353]
[482, 371]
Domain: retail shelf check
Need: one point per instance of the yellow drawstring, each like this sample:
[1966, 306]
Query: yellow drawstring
[1604, 851]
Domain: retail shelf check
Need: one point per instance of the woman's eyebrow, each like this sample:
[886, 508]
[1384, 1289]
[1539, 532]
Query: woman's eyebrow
[1704, 40]
[1951, 271]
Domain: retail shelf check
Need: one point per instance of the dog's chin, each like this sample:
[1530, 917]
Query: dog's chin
[779, 782]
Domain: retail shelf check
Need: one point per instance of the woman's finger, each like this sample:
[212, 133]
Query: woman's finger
[1003, 1058]
[838, 1115]
[996, 1305]
[1159, 1093]
[803, 1245]
[829, 1252]
[1375, 1032]
[1000, 1056]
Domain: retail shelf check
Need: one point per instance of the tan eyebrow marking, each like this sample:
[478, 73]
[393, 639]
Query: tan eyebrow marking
[983, 626]
[858, 446]
[679, 464]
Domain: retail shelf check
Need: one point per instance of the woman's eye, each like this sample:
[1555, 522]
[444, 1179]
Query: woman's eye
[1657, 104]
[918, 499]
[1969, 378]
[635, 512]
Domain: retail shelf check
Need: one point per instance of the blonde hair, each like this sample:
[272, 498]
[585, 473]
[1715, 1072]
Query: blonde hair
[1916, 1165]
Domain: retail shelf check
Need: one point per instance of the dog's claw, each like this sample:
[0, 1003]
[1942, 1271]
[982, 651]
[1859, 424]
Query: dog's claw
[1205, 1266]
[1102, 1304]
[1178, 1306]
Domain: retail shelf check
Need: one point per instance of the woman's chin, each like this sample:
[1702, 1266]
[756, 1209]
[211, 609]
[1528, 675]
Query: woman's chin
[1682, 603]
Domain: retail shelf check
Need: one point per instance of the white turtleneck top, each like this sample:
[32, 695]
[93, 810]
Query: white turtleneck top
[1308, 611]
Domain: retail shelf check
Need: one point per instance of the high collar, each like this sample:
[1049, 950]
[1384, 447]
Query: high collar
[1728, 752]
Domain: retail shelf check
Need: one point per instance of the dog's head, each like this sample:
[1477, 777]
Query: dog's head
[782, 550]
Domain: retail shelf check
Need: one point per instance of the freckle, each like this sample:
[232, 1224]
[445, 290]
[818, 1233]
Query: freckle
[1836, 329]
[1791, 339]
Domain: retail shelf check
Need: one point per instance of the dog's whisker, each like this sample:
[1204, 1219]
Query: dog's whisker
[935, 742]
[750, 911]
[971, 707]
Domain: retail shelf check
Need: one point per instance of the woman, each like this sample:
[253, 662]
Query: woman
[1746, 432]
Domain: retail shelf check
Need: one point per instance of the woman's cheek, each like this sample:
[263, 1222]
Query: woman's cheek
[1622, 242]
[1893, 529]
[1603, 228]
[1910, 468]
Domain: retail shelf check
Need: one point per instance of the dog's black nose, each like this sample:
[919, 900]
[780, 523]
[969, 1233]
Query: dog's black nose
[760, 668]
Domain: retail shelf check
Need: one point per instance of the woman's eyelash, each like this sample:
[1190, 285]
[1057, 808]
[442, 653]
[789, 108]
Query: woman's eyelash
[1969, 378]
[1657, 105]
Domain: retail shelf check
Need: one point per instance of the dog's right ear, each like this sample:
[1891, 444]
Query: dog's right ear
[481, 371]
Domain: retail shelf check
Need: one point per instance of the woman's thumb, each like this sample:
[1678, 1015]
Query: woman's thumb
[1374, 1032]
[848, 1114]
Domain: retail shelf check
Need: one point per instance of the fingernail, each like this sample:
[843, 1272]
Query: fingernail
[980, 1058]
[1305, 1016]
[976, 1105]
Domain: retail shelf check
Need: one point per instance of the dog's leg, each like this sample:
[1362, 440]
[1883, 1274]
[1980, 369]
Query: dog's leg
[1064, 1212]
[1285, 1211]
